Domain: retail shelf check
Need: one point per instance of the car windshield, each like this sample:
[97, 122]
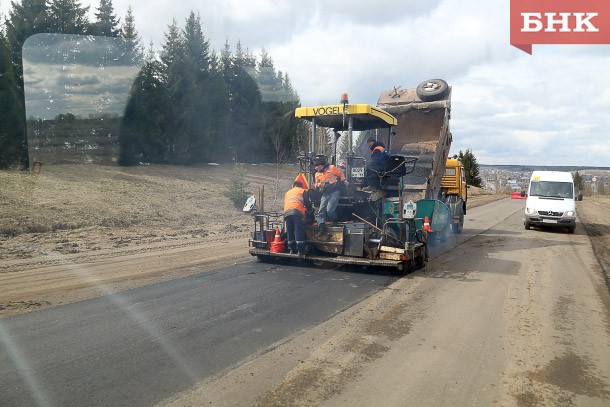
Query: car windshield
[552, 189]
[166, 240]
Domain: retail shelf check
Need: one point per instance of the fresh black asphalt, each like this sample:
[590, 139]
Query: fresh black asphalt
[140, 346]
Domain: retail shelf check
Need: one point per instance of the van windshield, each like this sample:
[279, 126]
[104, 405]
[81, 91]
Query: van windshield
[552, 189]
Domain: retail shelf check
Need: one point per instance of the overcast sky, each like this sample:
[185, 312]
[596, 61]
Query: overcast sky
[549, 108]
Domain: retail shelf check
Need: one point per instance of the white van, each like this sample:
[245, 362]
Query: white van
[551, 200]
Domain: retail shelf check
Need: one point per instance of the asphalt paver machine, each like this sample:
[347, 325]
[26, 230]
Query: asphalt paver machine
[375, 227]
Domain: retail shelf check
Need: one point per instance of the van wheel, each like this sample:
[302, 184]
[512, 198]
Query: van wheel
[432, 89]
[527, 225]
[571, 229]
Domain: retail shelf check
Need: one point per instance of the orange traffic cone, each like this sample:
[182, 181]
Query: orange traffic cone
[427, 225]
[277, 246]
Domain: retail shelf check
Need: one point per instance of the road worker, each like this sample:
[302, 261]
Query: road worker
[328, 180]
[377, 164]
[294, 213]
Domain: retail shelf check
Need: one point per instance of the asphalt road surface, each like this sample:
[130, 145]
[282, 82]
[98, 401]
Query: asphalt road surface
[501, 316]
[137, 347]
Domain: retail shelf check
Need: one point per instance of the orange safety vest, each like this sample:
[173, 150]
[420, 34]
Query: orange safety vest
[293, 199]
[330, 175]
[380, 148]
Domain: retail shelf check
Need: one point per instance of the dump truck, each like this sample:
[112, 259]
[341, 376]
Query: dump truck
[390, 225]
[438, 183]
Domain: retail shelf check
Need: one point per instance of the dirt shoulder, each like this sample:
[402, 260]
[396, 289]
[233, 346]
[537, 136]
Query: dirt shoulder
[594, 213]
[78, 232]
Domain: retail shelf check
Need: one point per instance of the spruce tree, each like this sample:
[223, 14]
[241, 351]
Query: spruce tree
[144, 125]
[290, 94]
[244, 59]
[278, 117]
[171, 52]
[223, 149]
[132, 37]
[11, 110]
[196, 46]
[225, 60]
[194, 97]
[67, 17]
[219, 110]
[242, 139]
[471, 168]
[266, 77]
[171, 77]
[26, 18]
[106, 22]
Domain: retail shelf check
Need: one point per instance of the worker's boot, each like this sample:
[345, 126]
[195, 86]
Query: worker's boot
[321, 230]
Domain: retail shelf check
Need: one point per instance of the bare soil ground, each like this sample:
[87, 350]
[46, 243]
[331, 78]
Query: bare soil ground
[76, 232]
[594, 213]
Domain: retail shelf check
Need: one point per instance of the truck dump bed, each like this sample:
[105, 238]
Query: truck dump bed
[422, 131]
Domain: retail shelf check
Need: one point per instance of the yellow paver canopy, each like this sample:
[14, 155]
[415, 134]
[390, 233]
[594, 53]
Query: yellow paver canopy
[364, 116]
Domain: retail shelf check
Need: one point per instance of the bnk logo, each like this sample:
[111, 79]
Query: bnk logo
[559, 22]
[533, 22]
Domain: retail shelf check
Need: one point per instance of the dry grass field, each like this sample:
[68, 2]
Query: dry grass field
[76, 231]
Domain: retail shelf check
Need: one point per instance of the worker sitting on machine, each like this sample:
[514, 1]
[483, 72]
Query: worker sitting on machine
[377, 165]
[328, 181]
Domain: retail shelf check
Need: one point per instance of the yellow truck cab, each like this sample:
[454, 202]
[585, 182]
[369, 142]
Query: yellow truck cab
[454, 192]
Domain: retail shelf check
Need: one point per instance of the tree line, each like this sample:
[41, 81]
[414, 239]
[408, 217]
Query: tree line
[187, 105]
